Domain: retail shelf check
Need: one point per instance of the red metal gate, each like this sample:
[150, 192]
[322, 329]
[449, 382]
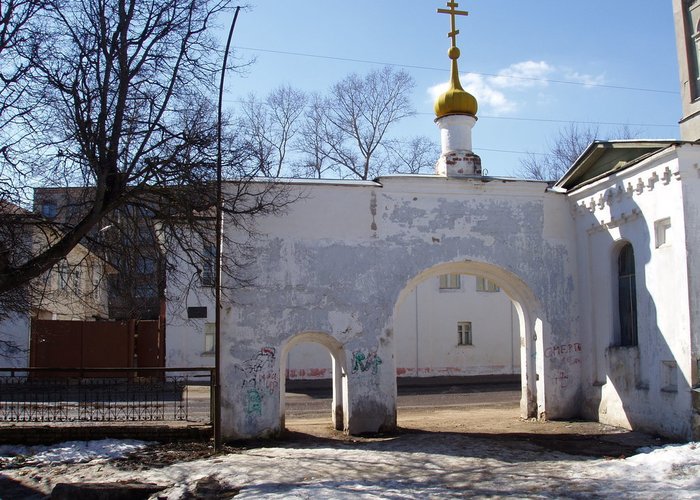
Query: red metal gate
[96, 344]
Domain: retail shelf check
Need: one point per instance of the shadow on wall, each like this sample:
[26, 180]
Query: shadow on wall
[636, 379]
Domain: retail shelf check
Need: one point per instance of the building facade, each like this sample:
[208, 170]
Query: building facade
[601, 270]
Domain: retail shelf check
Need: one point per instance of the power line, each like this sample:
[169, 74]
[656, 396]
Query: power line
[430, 68]
[526, 119]
[583, 122]
[512, 152]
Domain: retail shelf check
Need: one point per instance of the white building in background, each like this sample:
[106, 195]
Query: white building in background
[451, 325]
[601, 270]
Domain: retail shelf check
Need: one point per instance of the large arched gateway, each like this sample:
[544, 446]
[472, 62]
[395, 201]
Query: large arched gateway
[530, 321]
[342, 256]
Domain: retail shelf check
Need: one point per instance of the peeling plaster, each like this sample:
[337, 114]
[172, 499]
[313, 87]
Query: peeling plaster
[349, 287]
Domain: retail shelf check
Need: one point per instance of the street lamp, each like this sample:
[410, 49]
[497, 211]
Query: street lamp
[217, 266]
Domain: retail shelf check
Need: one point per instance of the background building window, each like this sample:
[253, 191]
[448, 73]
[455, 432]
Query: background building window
[145, 265]
[144, 291]
[449, 282]
[692, 21]
[484, 285]
[63, 275]
[208, 261]
[209, 337]
[464, 333]
[48, 209]
[627, 296]
[76, 277]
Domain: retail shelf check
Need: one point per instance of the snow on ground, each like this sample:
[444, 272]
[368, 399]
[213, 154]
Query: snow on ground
[68, 452]
[409, 466]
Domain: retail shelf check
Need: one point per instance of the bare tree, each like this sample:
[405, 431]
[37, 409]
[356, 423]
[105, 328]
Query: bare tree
[272, 126]
[16, 38]
[564, 150]
[345, 133]
[415, 156]
[15, 16]
[360, 112]
[315, 161]
[119, 92]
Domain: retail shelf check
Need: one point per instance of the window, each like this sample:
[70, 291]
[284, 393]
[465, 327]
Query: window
[145, 265]
[208, 263]
[209, 337]
[464, 333]
[144, 234]
[48, 209]
[692, 20]
[627, 296]
[484, 285]
[63, 275]
[196, 312]
[144, 291]
[96, 285]
[449, 282]
[75, 279]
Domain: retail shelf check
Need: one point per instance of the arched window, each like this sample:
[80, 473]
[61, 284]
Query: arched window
[627, 296]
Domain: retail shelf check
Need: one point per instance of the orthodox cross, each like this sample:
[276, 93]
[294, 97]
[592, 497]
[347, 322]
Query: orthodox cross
[452, 11]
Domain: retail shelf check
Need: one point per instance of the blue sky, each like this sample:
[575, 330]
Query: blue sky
[607, 50]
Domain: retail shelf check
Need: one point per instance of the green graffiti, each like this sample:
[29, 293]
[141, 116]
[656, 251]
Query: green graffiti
[363, 362]
[254, 403]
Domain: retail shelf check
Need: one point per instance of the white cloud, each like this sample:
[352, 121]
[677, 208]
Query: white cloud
[587, 80]
[499, 93]
[523, 75]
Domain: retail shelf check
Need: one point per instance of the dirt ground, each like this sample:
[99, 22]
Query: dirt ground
[493, 416]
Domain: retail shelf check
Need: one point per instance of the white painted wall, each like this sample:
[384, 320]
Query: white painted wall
[648, 386]
[185, 344]
[309, 361]
[426, 335]
[14, 342]
[426, 332]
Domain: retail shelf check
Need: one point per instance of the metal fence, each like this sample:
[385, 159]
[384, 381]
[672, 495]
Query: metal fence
[46, 395]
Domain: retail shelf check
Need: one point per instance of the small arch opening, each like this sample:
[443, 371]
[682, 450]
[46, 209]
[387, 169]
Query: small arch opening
[312, 371]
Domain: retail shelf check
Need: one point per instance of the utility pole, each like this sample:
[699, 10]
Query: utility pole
[217, 267]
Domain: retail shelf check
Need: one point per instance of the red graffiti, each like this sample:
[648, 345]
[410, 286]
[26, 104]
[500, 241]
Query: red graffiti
[562, 350]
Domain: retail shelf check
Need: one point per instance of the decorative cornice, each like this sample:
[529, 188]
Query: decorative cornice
[627, 188]
[623, 218]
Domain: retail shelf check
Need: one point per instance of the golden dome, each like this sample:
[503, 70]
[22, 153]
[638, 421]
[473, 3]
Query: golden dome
[456, 100]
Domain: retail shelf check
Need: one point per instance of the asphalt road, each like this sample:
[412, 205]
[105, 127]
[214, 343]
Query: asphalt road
[317, 402]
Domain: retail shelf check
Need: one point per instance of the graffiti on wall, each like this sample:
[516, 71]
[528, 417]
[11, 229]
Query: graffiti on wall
[561, 379]
[363, 361]
[568, 352]
[259, 379]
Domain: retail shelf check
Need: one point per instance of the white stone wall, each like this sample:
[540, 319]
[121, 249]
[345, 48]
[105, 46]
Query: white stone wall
[689, 159]
[185, 344]
[345, 254]
[647, 386]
